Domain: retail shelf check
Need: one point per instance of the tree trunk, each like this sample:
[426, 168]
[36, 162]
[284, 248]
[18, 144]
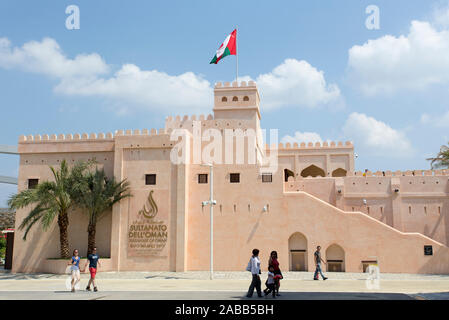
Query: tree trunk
[63, 223]
[91, 230]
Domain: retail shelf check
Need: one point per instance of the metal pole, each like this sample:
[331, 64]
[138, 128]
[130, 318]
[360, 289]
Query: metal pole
[211, 223]
[237, 57]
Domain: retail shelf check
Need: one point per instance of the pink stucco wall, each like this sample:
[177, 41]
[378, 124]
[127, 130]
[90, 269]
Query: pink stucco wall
[327, 211]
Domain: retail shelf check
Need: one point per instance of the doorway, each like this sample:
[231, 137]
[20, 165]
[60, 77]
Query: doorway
[335, 257]
[297, 248]
[298, 258]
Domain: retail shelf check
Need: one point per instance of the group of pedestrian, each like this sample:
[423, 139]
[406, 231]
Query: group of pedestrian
[274, 274]
[93, 260]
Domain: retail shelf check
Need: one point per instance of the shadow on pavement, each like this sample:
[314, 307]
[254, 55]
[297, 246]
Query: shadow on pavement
[330, 296]
[28, 276]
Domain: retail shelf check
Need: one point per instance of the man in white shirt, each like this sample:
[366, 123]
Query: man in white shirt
[255, 271]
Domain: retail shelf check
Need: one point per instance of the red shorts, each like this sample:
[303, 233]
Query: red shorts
[93, 272]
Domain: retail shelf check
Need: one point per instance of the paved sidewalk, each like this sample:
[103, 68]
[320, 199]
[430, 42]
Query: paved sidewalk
[226, 285]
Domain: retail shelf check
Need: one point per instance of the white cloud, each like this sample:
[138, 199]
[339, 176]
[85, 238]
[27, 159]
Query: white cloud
[413, 61]
[292, 83]
[376, 137]
[302, 137]
[149, 88]
[437, 121]
[46, 57]
[296, 83]
[87, 75]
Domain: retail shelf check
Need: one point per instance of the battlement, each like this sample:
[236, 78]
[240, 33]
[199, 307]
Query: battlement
[84, 137]
[398, 173]
[235, 84]
[174, 122]
[311, 145]
[186, 122]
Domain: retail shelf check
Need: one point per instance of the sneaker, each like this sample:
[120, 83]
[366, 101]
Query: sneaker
[278, 294]
[324, 278]
[315, 279]
[73, 289]
[95, 289]
[88, 289]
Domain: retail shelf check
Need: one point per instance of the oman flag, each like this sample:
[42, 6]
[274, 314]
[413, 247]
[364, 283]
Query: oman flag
[228, 47]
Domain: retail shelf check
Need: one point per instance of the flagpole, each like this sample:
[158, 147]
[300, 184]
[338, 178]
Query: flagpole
[237, 57]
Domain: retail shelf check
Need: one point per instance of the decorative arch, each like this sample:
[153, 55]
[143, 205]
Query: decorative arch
[235, 99]
[335, 258]
[245, 98]
[339, 172]
[297, 248]
[288, 173]
[224, 99]
[313, 171]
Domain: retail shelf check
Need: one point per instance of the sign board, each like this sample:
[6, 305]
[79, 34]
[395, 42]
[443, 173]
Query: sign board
[148, 233]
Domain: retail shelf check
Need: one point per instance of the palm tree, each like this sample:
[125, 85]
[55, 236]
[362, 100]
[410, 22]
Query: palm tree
[442, 158]
[51, 199]
[96, 193]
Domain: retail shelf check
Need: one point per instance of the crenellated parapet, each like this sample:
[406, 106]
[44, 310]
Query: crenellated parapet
[65, 137]
[399, 173]
[185, 121]
[85, 137]
[206, 122]
[95, 142]
[235, 84]
[316, 145]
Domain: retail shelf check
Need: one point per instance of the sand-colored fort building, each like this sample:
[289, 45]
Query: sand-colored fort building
[399, 219]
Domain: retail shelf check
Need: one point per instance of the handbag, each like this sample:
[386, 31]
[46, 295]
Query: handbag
[248, 267]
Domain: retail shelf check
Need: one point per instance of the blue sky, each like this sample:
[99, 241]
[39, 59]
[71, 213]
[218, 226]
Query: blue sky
[387, 90]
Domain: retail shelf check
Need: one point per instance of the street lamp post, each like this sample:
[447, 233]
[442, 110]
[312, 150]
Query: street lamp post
[211, 202]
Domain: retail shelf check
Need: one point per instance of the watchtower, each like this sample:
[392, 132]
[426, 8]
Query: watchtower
[237, 101]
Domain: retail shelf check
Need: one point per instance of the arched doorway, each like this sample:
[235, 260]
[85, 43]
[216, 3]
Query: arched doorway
[288, 173]
[339, 173]
[312, 171]
[335, 258]
[297, 248]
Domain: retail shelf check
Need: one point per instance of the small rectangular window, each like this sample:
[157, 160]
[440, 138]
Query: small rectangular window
[32, 183]
[202, 178]
[235, 177]
[150, 179]
[267, 177]
[428, 250]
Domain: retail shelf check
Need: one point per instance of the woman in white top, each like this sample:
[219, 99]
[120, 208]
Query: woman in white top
[75, 263]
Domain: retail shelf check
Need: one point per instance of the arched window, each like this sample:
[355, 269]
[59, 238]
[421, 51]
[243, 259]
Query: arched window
[339, 173]
[245, 98]
[312, 171]
[224, 99]
[235, 99]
